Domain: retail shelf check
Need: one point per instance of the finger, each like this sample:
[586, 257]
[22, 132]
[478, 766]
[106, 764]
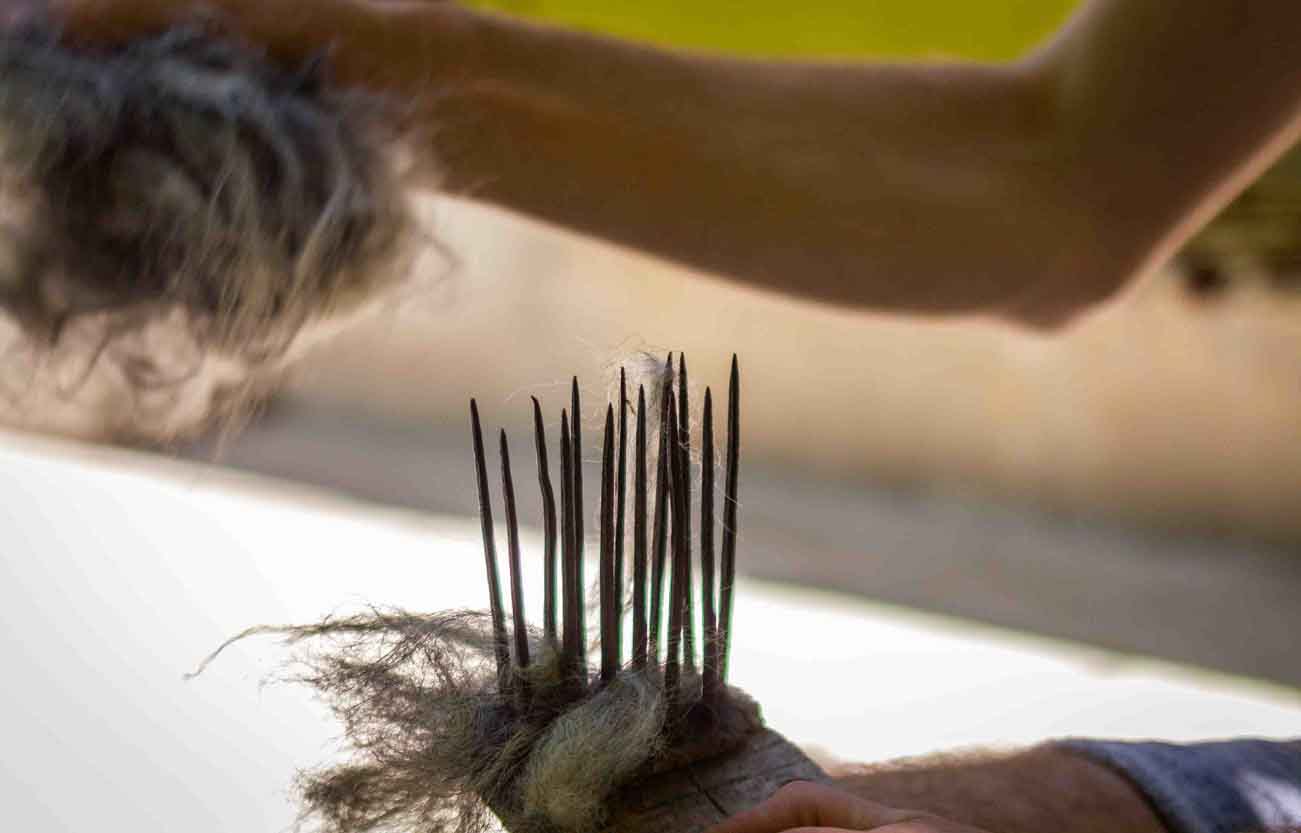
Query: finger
[115, 21]
[919, 825]
[803, 804]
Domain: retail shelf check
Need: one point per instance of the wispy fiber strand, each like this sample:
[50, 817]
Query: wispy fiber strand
[456, 714]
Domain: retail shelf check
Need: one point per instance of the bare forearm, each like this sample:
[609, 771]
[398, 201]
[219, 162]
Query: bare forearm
[1032, 189]
[1030, 791]
[923, 189]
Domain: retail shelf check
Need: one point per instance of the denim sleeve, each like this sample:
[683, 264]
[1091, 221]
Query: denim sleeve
[1237, 786]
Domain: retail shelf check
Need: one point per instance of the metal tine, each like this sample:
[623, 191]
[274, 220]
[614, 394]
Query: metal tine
[709, 625]
[549, 526]
[639, 536]
[682, 541]
[672, 670]
[500, 644]
[684, 440]
[621, 486]
[518, 623]
[659, 541]
[572, 639]
[609, 591]
[728, 565]
[576, 471]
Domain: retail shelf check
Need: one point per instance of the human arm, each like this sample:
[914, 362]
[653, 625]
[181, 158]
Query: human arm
[1246, 784]
[1071, 786]
[804, 807]
[1024, 791]
[1032, 189]
[1028, 791]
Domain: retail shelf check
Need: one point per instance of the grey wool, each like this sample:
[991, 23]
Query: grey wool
[593, 748]
[454, 717]
[178, 219]
[436, 746]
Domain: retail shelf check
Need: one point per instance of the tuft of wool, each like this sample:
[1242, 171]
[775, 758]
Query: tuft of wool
[178, 219]
[437, 748]
[593, 748]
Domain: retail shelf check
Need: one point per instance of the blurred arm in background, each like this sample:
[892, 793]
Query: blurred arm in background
[1030, 190]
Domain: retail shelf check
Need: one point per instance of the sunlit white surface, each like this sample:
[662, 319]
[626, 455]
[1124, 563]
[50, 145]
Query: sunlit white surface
[118, 573]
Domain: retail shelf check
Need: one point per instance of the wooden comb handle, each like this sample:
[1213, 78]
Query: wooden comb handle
[693, 798]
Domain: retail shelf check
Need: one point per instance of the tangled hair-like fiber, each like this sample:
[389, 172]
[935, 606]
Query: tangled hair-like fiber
[437, 744]
[454, 714]
[175, 215]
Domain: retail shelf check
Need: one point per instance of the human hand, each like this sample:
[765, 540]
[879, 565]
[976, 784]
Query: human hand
[805, 807]
[110, 21]
[400, 45]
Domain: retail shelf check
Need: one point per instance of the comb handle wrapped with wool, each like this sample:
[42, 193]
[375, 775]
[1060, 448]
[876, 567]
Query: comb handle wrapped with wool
[656, 743]
[454, 717]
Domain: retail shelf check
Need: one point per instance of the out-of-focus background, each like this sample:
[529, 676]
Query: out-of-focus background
[1027, 536]
[1112, 483]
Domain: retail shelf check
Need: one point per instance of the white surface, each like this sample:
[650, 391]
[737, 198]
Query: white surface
[118, 573]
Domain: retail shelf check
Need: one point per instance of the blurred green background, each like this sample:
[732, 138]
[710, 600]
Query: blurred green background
[985, 29]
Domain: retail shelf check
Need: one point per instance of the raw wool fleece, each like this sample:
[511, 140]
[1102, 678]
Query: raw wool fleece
[435, 744]
[591, 749]
[178, 218]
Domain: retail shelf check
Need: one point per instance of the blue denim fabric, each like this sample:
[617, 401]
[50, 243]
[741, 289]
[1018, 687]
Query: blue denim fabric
[1238, 786]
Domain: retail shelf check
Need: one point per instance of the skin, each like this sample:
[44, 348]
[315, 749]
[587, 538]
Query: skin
[1027, 791]
[1032, 190]
[803, 807]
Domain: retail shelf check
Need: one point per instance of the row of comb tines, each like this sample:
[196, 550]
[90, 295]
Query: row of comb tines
[668, 531]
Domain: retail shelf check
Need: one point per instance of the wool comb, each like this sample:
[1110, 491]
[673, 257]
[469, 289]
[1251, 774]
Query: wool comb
[702, 751]
[455, 718]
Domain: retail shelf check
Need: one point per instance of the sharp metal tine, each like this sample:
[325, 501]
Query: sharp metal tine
[672, 670]
[572, 639]
[728, 565]
[549, 526]
[709, 625]
[659, 543]
[580, 542]
[609, 594]
[519, 624]
[684, 416]
[621, 486]
[684, 440]
[639, 536]
[500, 644]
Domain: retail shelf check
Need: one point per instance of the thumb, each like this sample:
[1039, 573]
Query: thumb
[806, 804]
